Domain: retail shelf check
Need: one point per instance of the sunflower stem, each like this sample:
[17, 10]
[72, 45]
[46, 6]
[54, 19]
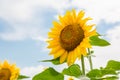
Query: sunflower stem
[90, 59]
[83, 65]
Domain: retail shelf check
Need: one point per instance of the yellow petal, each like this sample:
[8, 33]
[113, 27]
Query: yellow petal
[59, 53]
[85, 43]
[80, 16]
[67, 17]
[70, 59]
[53, 41]
[83, 51]
[74, 13]
[84, 21]
[5, 64]
[75, 55]
[78, 52]
[63, 57]
[54, 30]
[55, 49]
[53, 45]
[63, 22]
[92, 33]
[88, 28]
[57, 25]
[53, 35]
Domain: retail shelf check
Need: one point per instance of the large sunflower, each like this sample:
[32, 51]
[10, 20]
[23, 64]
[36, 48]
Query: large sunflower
[69, 38]
[8, 72]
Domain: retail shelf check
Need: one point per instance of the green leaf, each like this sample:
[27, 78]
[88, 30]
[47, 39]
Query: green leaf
[110, 78]
[22, 77]
[105, 73]
[108, 71]
[49, 74]
[95, 73]
[96, 41]
[73, 70]
[54, 61]
[115, 65]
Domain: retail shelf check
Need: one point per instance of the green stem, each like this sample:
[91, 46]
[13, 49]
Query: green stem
[83, 65]
[90, 59]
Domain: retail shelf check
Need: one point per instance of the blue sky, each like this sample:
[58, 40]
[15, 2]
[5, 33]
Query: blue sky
[24, 26]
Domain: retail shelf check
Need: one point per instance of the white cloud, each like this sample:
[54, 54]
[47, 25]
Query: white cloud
[32, 71]
[103, 54]
[21, 14]
[114, 35]
[102, 9]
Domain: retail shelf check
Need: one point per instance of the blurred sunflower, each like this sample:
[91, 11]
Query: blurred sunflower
[70, 78]
[69, 38]
[8, 72]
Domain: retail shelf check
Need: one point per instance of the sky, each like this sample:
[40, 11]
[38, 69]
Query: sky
[24, 25]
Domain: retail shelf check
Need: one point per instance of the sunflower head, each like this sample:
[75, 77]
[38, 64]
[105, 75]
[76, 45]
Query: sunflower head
[8, 72]
[70, 78]
[69, 38]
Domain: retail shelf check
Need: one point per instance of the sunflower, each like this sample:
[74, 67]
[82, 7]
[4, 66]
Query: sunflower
[70, 78]
[69, 38]
[8, 72]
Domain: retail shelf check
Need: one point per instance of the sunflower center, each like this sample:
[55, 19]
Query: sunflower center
[5, 74]
[71, 36]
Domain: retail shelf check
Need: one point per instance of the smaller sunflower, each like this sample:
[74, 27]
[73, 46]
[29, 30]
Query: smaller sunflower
[8, 71]
[70, 78]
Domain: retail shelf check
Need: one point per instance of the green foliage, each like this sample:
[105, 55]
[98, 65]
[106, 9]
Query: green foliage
[110, 69]
[73, 70]
[49, 74]
[115, 65]
[110, 78]
[20, 77]
[95, 73]
[54, 61]
[96, 41]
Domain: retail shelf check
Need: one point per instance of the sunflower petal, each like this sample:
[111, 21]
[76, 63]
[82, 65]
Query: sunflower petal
[57, 25]
[80, 16]
[55, 49]
[85, 43]
[59, 53]
[78, 52]
[88, 28]
[52, 35]
[5, 64]
[70, 59]
[74, 13]
[69, 18]
[63, 57]
[84, 21]
[63, 21]
[92, 33]
[53, 45]
[83, 51]
[54, 30]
